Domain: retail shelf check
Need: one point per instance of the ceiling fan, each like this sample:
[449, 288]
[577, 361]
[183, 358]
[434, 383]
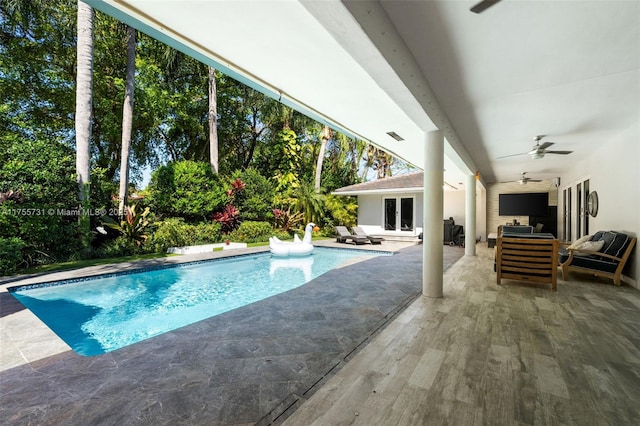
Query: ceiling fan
[483, 5]
[538, 151]
[524, 179]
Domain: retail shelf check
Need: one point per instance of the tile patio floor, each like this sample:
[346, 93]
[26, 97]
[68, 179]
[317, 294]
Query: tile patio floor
[249, 365]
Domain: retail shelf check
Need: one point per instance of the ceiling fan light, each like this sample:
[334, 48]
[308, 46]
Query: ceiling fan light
[537, 155]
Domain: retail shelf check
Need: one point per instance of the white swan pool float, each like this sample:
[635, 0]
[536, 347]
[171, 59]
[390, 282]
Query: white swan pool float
[296, 248]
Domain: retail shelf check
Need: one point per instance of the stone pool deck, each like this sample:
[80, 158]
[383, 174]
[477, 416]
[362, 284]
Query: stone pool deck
[252, 365]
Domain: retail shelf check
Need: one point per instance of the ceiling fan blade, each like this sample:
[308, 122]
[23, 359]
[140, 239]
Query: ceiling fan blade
[534, 180]
[512, 155]
[545, 145]
[483, 5]
[558, 152]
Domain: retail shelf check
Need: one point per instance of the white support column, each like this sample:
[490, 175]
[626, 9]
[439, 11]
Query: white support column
[433, 235]
[470, 217]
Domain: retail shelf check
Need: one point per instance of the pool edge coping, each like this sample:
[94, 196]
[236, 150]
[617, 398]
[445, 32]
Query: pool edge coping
[12, 287]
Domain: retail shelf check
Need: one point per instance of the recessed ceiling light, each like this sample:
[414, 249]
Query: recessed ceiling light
[395, 136]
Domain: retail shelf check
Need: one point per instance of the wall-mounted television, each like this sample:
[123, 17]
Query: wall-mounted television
[524, 204]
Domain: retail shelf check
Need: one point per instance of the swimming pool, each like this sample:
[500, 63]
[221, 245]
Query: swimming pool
[97, 315]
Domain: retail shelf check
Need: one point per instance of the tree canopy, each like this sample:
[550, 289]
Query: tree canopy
[266, 145]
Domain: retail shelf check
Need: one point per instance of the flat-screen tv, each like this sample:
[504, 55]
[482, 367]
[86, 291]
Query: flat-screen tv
[524, 204]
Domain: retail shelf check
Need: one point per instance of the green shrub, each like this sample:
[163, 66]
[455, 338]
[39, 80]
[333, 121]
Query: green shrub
[174, 232]
[187, 189]
[254, 232]
[121, 246]
[343, 210]
[10, 254]
[256, 200]
[251, 232]
[42, 172]
[171, 232]
[206, 233]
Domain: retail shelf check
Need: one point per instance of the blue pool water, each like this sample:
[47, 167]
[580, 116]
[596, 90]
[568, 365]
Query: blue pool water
[100, 314]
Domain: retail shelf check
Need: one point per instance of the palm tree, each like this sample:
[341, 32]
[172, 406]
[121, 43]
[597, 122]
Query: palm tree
[326, 135]
[308, 201]
[213, 121]
[127, 119]
[84, 84]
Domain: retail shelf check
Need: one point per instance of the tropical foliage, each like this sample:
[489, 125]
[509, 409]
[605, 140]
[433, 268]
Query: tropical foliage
[133, 225]
[277, 154]
[44, 213]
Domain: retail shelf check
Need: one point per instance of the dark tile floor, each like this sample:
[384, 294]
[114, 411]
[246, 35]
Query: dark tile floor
[245, 366]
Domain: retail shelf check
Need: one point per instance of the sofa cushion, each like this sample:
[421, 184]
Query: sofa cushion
[517, 229]
[594, 262]
[540, 236]
[577, 243]
[615, 243]
[591, 245]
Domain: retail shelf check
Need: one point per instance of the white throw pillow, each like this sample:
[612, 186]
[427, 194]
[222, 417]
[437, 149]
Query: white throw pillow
[577, 243]
[592, 245]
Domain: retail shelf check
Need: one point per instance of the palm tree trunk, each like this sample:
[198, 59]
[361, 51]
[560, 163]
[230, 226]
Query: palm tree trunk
[213, 121]
[84, 89]
[326, 135]
[127, 119]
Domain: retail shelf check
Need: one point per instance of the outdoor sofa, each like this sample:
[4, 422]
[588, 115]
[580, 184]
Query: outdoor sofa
[604, 254]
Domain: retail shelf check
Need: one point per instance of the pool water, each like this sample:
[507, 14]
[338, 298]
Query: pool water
[100, 314]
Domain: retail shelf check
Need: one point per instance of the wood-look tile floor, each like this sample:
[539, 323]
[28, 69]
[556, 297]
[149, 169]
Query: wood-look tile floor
[515, 354]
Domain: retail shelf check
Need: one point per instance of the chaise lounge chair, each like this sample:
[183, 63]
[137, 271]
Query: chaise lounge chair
[344, 236]
[360, 232]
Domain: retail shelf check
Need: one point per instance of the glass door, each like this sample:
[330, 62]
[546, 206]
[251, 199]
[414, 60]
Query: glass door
[568, 225]
[390, 213]
[401, 219]
[586, 213]
[582, 215]
[406, 214]
[579, 210]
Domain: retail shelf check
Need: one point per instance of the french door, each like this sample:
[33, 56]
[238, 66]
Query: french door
[398, 214]
[575, 214]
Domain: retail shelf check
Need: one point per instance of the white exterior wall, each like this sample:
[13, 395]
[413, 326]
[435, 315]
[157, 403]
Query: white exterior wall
[454, 202]
[454, 206]
[371, 210]
[613, 172]
[371, 214]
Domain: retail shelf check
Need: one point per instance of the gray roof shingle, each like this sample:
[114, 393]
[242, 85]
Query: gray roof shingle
[411, 180]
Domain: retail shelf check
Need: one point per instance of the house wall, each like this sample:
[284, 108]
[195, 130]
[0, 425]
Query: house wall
[370, 209]
[454, 202]
[495, 189]
[371, 213]
[613, 171]
[454, 206]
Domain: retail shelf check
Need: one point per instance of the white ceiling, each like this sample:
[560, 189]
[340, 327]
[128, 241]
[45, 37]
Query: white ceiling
[490, 82]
